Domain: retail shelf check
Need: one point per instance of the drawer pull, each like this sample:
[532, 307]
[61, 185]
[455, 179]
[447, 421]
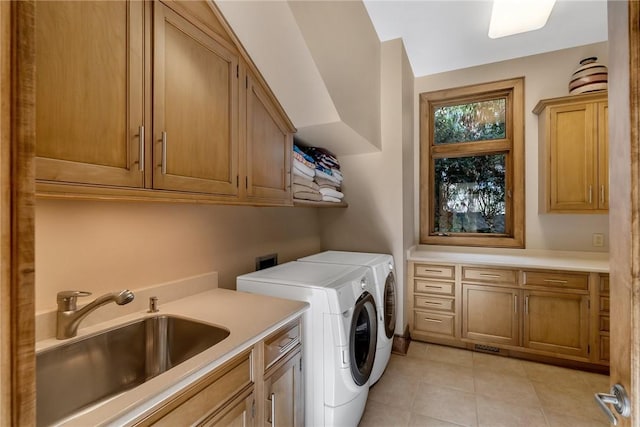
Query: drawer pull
[560, 282]
[429, 270]
[493, 276]
[433, 287]
[432, 303]
[428, 319]
[288, 346]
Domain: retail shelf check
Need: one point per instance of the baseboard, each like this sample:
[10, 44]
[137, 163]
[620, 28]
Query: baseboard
[401, 343]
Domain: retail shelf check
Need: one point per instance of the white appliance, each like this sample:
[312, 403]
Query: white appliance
[339, 334]
[382, 267]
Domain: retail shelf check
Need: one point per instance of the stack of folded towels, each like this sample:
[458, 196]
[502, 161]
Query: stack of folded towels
[316, 175]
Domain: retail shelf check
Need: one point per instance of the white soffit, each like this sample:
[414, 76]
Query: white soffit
[442, 35]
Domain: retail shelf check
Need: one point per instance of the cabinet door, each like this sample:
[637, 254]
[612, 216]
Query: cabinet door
[89, 91]
[284, 398]
[195, 108]
[572, 157]
[556, 322]
[268, 148]
[603, 156]
[490, 314]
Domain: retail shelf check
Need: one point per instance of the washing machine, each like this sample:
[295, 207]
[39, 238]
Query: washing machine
[382, 267]
[339, 333]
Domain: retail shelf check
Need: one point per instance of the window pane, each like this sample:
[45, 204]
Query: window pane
[470, 194]
[477, 121]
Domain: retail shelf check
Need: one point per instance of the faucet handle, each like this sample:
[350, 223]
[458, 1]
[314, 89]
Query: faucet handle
[67, 299]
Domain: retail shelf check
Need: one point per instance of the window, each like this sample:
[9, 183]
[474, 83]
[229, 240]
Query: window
[472, 165]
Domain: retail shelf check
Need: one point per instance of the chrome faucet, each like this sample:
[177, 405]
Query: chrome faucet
[68, 315]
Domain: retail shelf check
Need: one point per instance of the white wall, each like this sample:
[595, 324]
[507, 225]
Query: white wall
[376, 188]
[106, 246]
[546, 76]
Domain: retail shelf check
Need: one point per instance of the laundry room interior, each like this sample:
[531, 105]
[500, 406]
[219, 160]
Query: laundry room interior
[272, 170]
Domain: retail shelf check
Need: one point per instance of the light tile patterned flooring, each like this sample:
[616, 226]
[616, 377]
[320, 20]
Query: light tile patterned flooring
[437, 386]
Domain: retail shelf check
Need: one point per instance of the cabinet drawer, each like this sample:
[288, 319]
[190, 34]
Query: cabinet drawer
[434, 271]
[604, 304]
[604, 285]
[278, 344]
[604, 323]
[433, 303]
[434, 323]
[489, 275]
[434, 287]
[556, 280]
[205, 397]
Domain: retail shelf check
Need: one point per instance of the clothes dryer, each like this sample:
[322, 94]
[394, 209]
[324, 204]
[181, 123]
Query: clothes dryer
[338, 338]
[382, 267]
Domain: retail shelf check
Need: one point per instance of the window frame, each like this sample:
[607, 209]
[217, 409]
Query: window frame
[512, 145]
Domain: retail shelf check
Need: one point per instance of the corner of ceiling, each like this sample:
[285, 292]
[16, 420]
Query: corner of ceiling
[322, 61]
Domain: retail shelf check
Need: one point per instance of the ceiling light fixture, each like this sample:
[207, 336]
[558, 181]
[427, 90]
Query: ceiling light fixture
[510, 17]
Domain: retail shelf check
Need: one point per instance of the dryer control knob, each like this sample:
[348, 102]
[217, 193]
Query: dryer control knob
[390, 266]
[363, 283]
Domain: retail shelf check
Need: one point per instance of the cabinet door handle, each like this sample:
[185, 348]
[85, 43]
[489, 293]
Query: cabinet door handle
[515, 303]
[272, 420]
[164, 153]
[602, 194]
[141, 158]
[590, 194]
[432, 320]
[526, 304]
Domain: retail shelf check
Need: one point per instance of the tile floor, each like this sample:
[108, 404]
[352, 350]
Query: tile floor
[437, 386]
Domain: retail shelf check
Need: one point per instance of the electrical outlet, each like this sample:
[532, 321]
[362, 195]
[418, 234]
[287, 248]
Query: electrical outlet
[597, 240]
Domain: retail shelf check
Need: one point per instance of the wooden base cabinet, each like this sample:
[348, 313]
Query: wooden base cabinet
[262, 386]
[533, 313]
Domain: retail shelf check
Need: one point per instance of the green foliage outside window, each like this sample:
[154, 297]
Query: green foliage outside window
[470, 194]
[476, 121]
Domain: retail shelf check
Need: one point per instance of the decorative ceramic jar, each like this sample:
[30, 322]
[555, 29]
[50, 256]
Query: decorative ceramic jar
[591, 76]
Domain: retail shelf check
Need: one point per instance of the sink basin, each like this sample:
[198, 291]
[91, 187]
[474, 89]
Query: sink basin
[84, 372]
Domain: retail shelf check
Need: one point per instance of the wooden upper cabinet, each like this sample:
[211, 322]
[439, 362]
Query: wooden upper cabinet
[268, 147]
[574, 154]
[195, 141]
[89, 92]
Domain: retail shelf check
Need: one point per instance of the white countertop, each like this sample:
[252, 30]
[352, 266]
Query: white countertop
[597, 262]
[249, 318]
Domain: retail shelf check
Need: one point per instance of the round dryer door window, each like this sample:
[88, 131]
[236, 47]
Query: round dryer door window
[363, 338]
[390, 305]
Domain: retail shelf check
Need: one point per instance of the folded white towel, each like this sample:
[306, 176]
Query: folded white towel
[331, 192]
[330, 199]
[299, 172]
[303, 168]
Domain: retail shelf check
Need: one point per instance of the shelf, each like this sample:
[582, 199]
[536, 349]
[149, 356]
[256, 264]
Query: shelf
[312, 204]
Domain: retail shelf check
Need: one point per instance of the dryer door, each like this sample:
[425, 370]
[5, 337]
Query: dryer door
[363, 337]
[390, 305]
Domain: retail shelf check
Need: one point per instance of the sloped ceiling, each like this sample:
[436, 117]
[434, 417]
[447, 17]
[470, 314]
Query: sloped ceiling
[322, 60]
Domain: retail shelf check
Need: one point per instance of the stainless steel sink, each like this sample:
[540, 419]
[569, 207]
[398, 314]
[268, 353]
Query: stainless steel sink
[84, 372]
